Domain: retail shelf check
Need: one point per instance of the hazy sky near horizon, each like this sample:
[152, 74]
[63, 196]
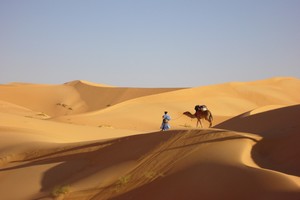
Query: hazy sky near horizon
[148, 43]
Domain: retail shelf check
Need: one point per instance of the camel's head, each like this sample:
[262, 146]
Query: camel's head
[186, 113]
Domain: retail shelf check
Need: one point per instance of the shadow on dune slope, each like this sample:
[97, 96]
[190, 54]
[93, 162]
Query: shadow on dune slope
[189, 164]
[267, 124]
[280, 128]
[178, 164]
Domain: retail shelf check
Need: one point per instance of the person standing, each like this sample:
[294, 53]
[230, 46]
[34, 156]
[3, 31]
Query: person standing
[165, 122]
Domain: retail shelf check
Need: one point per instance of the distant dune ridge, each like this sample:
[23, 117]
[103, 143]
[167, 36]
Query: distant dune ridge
[81, 140]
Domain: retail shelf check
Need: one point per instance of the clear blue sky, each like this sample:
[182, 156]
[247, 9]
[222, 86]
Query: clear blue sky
[148, 43]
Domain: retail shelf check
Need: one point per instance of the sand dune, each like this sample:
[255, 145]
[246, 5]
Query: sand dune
[280, 131]
[72, 97]
[82, 140]
[97, 98]
[225, 101]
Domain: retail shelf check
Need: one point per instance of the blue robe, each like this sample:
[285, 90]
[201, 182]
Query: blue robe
[165, 122]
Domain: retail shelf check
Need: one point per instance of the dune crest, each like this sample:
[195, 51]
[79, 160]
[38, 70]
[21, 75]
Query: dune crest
[84, 82]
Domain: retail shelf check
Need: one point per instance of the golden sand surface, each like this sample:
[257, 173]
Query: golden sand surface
[88, 141]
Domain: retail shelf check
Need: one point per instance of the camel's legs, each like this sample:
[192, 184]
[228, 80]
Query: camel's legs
[199, 121]
[209, 119]
[210, 122]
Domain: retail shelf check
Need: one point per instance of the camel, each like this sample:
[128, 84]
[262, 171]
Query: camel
[199, 114]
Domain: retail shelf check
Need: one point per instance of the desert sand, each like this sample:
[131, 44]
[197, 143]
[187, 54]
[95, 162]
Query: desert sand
[86, 141]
